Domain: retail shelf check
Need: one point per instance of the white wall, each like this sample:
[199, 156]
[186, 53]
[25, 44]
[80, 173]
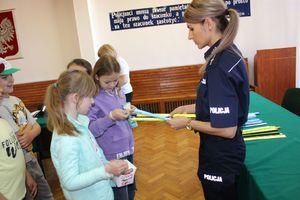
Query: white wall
[273, 24]
[47, 37]
[149, 47]
[52, 32]
[84, 30]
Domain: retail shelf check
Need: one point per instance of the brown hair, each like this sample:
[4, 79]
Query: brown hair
[68, 82]
[107, 49]
[106, 65]
[198, 10]
[83, 63]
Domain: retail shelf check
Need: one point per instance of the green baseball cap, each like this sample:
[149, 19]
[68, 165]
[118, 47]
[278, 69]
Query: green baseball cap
[6, 68]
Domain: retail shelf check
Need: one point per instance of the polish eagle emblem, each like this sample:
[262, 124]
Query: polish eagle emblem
[6, 35]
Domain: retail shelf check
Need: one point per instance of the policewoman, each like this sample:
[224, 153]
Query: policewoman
[222, 98]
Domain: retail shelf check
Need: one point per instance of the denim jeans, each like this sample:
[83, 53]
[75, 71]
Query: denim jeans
[44, 191]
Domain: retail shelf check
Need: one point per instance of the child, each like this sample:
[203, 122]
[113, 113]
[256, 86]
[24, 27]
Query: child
[14, 111]
[12, 163]
[109, 122]
[82, 168]
[81, 65]
[124, 79]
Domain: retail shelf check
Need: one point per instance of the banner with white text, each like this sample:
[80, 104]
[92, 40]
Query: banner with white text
[163, 15]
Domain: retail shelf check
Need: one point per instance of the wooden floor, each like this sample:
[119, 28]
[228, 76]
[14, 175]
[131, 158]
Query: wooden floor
[166, 162]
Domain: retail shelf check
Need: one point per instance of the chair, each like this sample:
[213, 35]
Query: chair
[291, 100]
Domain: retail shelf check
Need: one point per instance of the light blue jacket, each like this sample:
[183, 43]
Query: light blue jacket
[79, 163]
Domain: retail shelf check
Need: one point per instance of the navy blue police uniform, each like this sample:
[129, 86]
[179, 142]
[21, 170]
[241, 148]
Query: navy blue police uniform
[222, 100]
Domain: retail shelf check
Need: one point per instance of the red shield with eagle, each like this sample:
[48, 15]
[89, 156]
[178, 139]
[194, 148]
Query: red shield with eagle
[8, 38]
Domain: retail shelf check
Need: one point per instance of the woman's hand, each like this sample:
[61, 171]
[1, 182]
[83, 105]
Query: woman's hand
[178, 122]
[117, 167]
[178, 110]
[186, 109]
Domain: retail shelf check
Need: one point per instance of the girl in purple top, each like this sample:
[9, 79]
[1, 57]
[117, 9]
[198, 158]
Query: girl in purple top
[108, 119]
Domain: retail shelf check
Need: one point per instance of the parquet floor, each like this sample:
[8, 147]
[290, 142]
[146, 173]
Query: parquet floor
[166, 162]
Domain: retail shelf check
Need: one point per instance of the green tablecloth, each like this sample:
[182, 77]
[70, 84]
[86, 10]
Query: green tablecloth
[272, 166]
[42, 121]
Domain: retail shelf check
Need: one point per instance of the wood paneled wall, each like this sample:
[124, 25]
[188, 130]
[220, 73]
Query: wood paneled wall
[275, 72]
[163, 89]
[155, 90]
[32, 94]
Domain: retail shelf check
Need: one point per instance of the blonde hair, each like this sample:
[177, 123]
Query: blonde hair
[107, 49]
[198, 10]
[68, 82]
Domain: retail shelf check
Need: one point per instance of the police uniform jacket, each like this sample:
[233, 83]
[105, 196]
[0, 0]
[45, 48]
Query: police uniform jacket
[222, 100]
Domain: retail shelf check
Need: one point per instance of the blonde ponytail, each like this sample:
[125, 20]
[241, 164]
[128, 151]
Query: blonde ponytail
[57, 119]
[107, 49]
[68, 82]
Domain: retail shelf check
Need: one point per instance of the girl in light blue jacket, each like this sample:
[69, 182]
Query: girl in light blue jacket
[82, 168]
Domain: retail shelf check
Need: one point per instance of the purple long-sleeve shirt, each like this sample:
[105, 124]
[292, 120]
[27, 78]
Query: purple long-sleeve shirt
[114, 137]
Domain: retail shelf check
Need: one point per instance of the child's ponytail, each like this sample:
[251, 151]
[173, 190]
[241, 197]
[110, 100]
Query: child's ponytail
[57, 119]
[69, 82]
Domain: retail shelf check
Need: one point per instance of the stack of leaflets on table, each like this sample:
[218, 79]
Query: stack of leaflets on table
[253, 121]
[255, 129]
[261, 131]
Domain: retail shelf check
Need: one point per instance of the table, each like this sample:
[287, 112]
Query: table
[272, 166]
